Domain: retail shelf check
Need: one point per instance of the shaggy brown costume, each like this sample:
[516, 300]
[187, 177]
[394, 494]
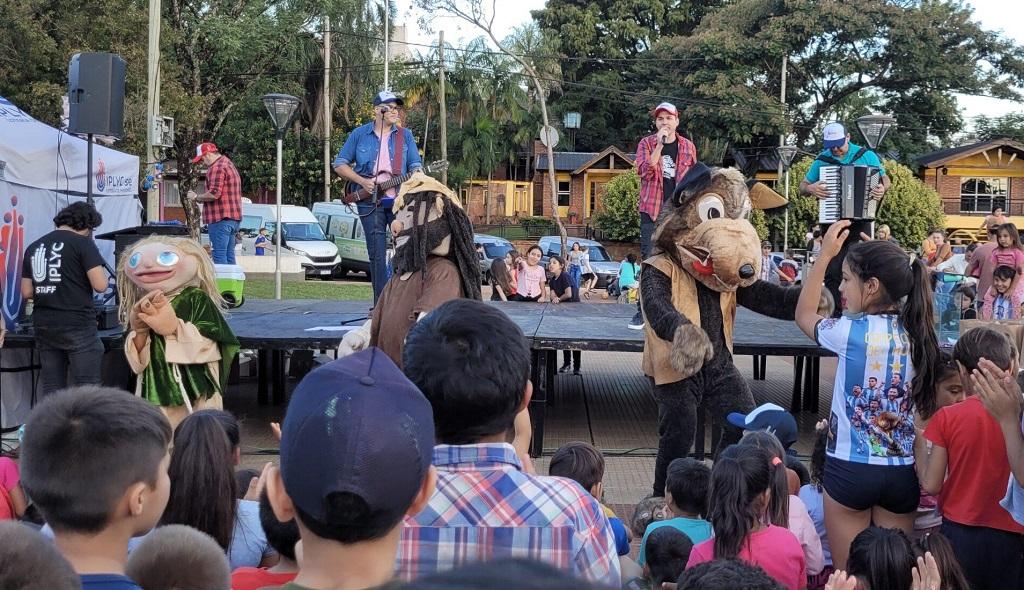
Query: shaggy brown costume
[706, 260]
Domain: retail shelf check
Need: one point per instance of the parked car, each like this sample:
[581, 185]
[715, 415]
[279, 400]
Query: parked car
[493, 247]
[607, 269]
[342, 222]
[302, 236]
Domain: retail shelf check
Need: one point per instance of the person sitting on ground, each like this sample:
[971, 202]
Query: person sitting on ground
[29, 561]
[177, 557]
[12, 498]
[629, 275]
[473, 365]
[884, 559]
[738, 506]
[727, 574]
[282, 536]
[968, 468]
[667, 551]
[950, 572]
[530, 276]
[686, 495]
[769, 417]
[204, 492]
[1001, 303]
[350, 514]
[812, 494]
[584, 464]
[788, 510]
[502, 287]
[94, 461]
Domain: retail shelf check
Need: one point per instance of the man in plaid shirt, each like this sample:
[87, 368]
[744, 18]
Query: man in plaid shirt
[662, 159]
[473, 365]
[222, 201]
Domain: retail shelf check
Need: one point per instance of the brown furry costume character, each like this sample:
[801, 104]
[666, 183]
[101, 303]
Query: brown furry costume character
[706, 260]
[434, 262]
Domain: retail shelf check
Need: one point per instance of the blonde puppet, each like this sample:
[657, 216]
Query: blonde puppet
[178, 342]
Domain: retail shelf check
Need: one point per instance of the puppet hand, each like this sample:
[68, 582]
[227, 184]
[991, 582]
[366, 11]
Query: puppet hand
[355, 340]
[162, 320]
[135, 322]
[691, 348]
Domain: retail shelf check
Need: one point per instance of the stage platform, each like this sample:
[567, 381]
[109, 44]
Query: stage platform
[272, 327]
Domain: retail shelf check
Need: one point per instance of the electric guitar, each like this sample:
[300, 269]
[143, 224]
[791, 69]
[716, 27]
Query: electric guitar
[357, 193]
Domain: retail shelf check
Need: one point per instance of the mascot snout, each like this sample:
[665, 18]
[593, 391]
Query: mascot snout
[725, 253]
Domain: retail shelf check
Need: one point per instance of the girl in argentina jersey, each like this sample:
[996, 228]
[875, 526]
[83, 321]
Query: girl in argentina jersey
[887, 350]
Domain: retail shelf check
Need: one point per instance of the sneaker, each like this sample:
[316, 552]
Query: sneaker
[564, 368]
[637, 323]
[576, 372]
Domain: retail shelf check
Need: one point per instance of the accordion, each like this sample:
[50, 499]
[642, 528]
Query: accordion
[849, 189]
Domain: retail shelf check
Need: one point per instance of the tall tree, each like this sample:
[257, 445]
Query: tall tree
[600, 42]
[910, 55]
[1010, 125]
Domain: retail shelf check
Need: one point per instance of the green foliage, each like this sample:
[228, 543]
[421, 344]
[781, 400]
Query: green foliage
[1010, 125]
[910, 208]
[620, 219]
[759, 219]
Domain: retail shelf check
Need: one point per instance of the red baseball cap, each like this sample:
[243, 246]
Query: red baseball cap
[203, 149]
[668, 108]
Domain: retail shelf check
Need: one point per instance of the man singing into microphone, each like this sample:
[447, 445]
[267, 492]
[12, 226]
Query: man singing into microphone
[662, 159]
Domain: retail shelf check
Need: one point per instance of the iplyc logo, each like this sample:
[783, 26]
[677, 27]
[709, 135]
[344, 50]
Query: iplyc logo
[101, 176]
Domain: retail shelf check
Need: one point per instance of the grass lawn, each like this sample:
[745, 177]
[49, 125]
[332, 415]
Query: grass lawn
[264, 289]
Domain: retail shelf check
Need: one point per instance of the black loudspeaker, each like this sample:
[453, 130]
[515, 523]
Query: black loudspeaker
[96, 94]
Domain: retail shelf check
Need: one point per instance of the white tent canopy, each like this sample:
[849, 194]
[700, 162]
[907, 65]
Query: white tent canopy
[42, 170]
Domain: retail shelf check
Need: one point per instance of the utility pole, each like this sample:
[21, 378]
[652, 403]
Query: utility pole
[782, 141]
[152, 106]
[327, 109]
[387, 44]
[444, 108]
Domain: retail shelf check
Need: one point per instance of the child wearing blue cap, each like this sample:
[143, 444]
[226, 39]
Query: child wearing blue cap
[345, 420]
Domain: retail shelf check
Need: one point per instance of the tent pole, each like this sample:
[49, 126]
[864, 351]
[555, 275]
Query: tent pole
[88, 174]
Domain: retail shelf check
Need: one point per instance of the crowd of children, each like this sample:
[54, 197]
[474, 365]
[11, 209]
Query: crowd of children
[418, 477]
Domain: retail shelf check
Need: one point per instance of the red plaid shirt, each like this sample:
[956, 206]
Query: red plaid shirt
[223, 182]
[652, 191]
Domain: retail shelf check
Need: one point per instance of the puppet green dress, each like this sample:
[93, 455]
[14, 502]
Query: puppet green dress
[195, 361]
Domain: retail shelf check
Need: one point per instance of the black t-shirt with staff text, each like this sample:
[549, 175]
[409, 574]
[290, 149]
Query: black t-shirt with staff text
[57, 263]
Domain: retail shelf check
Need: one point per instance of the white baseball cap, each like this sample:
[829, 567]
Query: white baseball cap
[833, 135]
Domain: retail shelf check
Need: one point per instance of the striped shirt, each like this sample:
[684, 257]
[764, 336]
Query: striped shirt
[485, 507]
[652, 190]
[872, 417]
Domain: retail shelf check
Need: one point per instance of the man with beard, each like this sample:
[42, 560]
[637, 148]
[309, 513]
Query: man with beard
[434, 262]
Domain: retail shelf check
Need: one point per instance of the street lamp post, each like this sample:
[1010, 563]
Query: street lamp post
[281, 108]
[786, 153]
[874, 128]
[571, 122]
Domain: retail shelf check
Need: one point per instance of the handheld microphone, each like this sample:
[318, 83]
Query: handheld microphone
[662, 139]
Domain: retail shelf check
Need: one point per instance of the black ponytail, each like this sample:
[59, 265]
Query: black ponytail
[902, 277]
[740, 475]
[778, 504]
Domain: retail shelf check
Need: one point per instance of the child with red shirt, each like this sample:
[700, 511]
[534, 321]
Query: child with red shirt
[968, 469]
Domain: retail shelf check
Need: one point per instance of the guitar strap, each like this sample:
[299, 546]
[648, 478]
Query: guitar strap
[397, 156]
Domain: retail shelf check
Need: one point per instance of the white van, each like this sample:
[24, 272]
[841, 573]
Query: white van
[302, 236]
[341, 221]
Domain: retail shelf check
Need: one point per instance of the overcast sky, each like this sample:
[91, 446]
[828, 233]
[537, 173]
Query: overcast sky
[1001, 15]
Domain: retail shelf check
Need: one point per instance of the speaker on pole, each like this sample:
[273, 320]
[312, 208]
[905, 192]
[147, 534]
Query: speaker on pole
[96, 94]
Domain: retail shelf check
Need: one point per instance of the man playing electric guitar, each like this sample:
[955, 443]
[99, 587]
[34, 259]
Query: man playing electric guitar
[365, 161]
